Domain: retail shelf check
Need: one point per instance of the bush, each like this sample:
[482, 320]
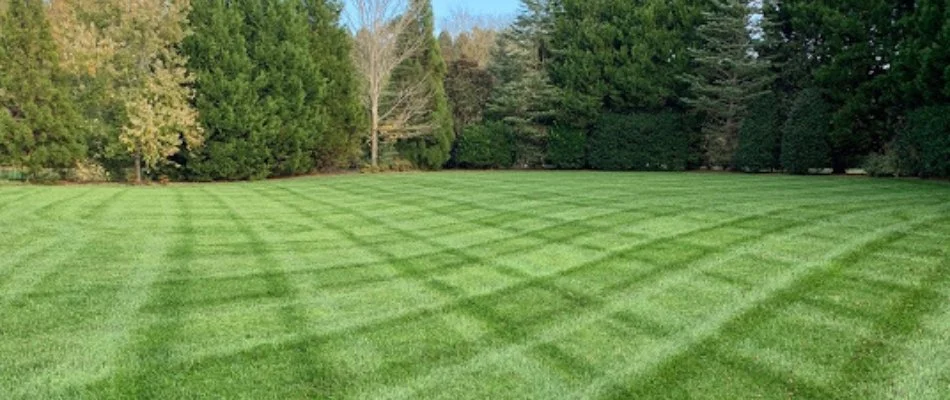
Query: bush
[11, 174]
[567, 147]
[390, 165]
[883, 165]
[44, 176]
[229, 161]
[924, 144]
[805, 134]
[487, 145]
[651, 142]
[760, 137]
[88, 171]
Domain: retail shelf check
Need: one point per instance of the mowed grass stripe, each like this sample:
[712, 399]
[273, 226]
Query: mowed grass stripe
[694, 372]
[775, 292]
[500, 285]
[31, 264]
[617, 299]
[26, 283]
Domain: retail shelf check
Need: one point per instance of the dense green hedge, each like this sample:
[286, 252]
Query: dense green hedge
[805, 134]
[486, 145]
[641, 141]
[760, 137]
[567, 148]
[925, 142]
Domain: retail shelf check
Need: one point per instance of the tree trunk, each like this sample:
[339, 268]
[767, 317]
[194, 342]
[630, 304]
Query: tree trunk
[374, 135]
[138, 168]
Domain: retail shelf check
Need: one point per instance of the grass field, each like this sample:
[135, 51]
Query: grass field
[478, 285]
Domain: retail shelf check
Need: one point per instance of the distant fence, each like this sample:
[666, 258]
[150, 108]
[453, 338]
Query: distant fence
[11, 174]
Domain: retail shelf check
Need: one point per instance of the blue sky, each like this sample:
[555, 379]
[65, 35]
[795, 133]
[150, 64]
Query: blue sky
[445, 8]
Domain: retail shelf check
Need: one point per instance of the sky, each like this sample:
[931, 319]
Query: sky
[446, 8]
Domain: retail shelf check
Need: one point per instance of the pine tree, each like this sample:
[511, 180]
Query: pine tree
[276, 87]
[726, 77]
[339, 102]
[805, 134]
[431, 147]
[226, 98]
[760, 136]
[621, 55]
[288, 83]
[524, 97]
[37, 118]
[922, 62]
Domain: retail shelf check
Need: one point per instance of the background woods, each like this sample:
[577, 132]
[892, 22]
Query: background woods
[94, 90]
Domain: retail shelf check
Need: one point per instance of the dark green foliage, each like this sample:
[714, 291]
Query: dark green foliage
[760, 137]
[39, 125]
[883, 165]
[805, 134]
[925, 142]
[468, 88]
[861, 56]
[486, 145]
[276, 91]
[639, 141]
[567, 147]
[725, 77]
[618, 55]
[922, 65]
[524, 97]
[432, 149]
[227, 99]
[881, 58]
[342, 110]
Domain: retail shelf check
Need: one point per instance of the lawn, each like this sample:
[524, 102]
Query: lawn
[478, 285]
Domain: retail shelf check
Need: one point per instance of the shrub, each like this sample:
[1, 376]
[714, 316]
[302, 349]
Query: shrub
[487, 145]
[11, 174]
[924, 143]
[760, 137]
[44, 176]
[641, 141]
[88, 171]
[886, 164]
[567, 147]
[804, 136]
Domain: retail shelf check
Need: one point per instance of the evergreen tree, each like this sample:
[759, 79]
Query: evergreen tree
[288, 83]
[853, 46]
[227, 99]
[468, 88]
[37, 118]
[524, 97]
[276, 88]
[805, 134]
[726, 76]
[861, 38]
[339, 102]
[431, 147]
[621, 55]
[760, 137]
[921, 67]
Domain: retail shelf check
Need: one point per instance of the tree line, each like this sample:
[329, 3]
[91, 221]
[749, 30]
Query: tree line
[249, 89]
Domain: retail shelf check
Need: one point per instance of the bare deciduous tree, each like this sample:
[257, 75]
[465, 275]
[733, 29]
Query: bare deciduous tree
[381, 46]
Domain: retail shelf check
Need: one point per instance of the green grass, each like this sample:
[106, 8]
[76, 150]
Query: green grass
[478, 285]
